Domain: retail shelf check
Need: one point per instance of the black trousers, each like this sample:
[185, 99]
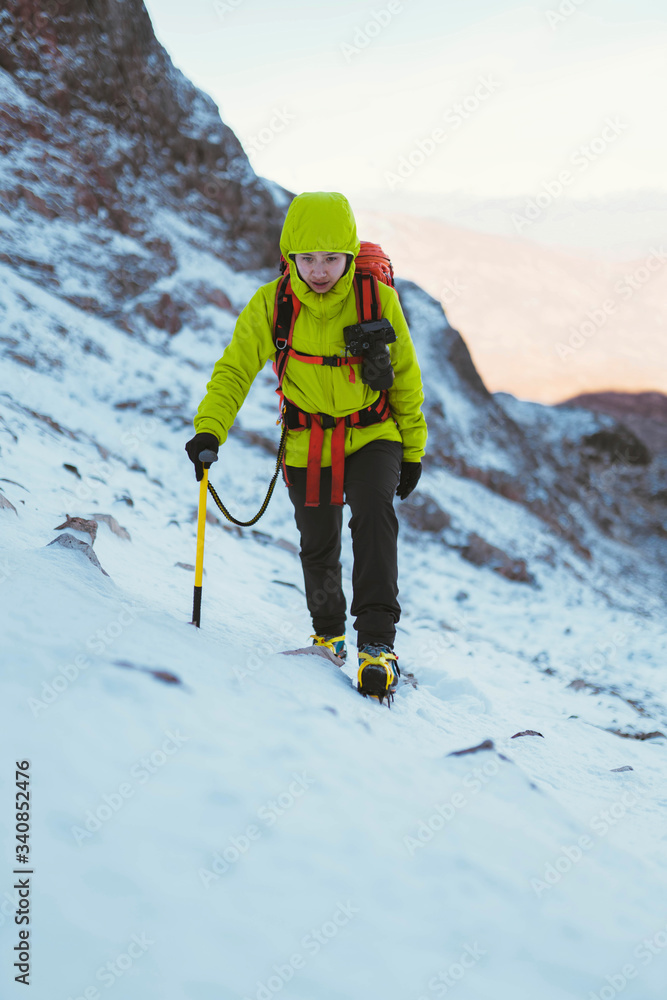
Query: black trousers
[371, 478]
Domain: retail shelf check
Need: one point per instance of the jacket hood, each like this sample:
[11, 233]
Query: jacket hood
[319, 221]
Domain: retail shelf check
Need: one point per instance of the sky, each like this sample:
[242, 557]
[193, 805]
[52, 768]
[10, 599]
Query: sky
[409, 98]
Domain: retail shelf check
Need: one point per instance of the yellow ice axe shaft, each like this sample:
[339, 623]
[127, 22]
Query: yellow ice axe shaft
[206, 457]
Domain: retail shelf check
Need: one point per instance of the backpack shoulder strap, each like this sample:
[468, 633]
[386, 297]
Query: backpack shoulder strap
[285, 312]
[369, 306]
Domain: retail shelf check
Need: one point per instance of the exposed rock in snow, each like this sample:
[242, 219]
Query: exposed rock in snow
[166, 676]
[485, 745]
[80, 525]
[6, 504]
[70, 541]
[481, 553]
[639, 736]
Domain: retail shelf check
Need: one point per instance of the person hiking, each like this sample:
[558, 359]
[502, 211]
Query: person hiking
[347, 441]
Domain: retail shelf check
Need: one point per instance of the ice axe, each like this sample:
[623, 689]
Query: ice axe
[207, 458]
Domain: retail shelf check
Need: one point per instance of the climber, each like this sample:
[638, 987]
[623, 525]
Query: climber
[347, 441]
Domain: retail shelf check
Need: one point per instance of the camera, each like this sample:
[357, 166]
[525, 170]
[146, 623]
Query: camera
[369, 341]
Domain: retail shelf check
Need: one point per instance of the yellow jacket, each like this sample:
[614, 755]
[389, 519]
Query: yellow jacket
[318, 221]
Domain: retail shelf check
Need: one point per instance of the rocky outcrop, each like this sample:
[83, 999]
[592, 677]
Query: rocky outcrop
[644, 413]
[616, 445]
[82, 524]
[479, 552]
[104, 132]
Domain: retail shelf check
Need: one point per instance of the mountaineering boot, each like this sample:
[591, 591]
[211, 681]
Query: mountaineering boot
[378, 671]
[335, 643]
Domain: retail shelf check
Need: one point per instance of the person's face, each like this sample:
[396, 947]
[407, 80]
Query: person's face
[321, 270]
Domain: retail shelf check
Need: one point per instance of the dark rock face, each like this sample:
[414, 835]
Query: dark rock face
[619, 445]
[479, 552]
[165, 313]
[643, 413]
[111, 131]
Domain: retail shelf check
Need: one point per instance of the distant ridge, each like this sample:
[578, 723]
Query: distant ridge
[645, 413]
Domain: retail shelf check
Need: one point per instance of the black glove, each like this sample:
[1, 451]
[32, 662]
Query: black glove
[198, 444]
[410, 473]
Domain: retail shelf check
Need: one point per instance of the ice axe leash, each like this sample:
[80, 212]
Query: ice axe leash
[269, 493]
[207, 458]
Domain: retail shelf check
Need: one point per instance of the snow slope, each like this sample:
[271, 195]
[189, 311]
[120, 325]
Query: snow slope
[213, 820]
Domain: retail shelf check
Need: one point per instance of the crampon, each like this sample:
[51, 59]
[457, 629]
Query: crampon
[378, 672]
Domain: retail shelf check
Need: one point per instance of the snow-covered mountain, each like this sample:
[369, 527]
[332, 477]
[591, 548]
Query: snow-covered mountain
[107, 142]
[213, 820]
[645, 413]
